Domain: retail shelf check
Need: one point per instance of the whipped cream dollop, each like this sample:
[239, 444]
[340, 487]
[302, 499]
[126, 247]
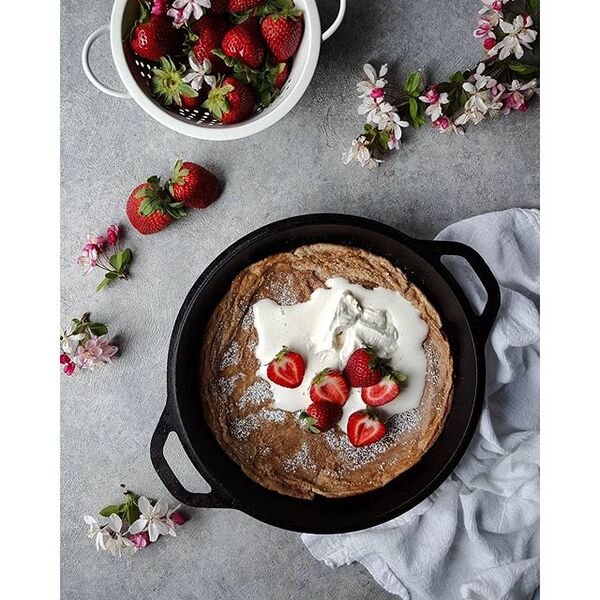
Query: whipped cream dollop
[328, 328]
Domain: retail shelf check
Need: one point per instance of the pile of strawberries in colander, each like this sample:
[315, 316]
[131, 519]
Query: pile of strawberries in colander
[229, 57]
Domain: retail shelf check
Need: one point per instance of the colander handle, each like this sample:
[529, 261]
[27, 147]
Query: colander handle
[85, 61]
[337, 22]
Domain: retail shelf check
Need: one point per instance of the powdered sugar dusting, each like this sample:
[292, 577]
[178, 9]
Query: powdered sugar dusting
[231, 356]
[301, 459]
[283, 293]
[358, 457]
[226, 385]
[257, 393]
[248, 320]
[242, 428]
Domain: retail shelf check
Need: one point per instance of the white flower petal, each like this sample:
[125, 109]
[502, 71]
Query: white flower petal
[144, 505]
[370, 72]
[139, 525]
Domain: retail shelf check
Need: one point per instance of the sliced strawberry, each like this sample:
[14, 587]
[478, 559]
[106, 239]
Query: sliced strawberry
[364, 428]
[363, 368]
[321, 416]
[385, 391]
[329, 386]
[286, 369]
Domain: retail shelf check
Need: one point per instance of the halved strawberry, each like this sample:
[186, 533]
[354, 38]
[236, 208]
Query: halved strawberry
[364, 428]
[321, 416]
[329, 386]
[363, 368]
[385, 391]
[286, 369]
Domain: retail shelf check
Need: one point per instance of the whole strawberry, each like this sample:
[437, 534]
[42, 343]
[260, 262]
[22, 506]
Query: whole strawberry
[230, 101]
[150, 208]
[207, 35]
[193, 185]
[282, 33]
[363, 368]
[154, 35]
[238, 6]
[245, 43]
[218, 7]
[321, 416]
[282, 76]
[168, 84]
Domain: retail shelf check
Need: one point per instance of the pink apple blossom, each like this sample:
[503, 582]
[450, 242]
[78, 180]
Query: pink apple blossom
[442, 123]
[140, 540]
[112, 234]
[96, 351]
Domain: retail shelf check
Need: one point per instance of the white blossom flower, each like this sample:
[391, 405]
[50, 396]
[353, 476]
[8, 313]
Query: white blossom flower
[517, 94]
[182, 10]
[435, 101]
[361, 153]
[115, 542]
[518, 34]
[374, 86]
[199, 73]
[481, 99]
[494, 6]
[390, 123]
[153, 519]
[96, 531]
[69, 340]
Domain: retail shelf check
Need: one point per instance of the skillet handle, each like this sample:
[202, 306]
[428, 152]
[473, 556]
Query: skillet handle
[485, 320]
[169, 479]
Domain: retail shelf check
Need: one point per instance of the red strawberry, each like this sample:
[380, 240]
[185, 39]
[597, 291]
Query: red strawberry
[329, 386]
[150, 209]
[383, 392]
[283, 32]
[210, 32]
[363, 368]
[364, 428]
[321, 416]
[230, 101]
[193, 185]
[245, 43]
[238, 6]
[155, 37]
[219, 7]
[189, 102]
[281, 77]
[286, 369]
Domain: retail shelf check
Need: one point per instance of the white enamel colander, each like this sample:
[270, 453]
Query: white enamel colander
[135, 73]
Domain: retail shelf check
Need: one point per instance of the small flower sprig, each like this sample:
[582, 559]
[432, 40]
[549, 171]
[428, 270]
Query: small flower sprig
[103, 252]
[125, 528]
[495, 87]
[84, 346]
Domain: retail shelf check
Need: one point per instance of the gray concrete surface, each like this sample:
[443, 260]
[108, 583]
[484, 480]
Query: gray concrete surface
[109, 145]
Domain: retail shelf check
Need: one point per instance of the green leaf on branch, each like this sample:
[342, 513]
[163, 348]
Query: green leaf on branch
[98, 329]
[103, 283]
[415, 118]
[523, 69]
[413, 83]
[533, 7]
[117, 509]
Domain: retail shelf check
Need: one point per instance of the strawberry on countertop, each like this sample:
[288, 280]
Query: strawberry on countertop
[230, 101]
[150, 208]
[286, 369]
[364, 428]
[385, 391]
[329, 386]
[193, 185]
[363, 368]
[321, 416]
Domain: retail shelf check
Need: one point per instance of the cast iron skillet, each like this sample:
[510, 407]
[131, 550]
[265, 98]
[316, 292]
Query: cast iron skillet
[230, 488]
